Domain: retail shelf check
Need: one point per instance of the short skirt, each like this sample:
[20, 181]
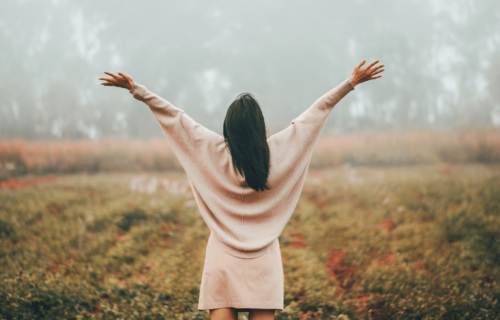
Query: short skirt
[240, 283]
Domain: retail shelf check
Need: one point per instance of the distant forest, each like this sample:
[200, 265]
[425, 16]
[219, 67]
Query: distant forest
[442, 63]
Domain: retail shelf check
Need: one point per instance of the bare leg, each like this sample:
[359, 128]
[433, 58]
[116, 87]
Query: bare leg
[224, 314]
[261, 314]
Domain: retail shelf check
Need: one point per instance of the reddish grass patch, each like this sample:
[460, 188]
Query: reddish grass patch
[374, 309]
[122, 236]
[339, 270]
[13, 184]
[388, 258]
[419, 266]
[296, 239]
[320, 198]
[387, 226]
[96, 309]
[166, 239]
[57, 265]
[54, 208]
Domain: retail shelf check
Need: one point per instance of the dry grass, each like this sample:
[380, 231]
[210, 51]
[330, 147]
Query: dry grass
[364, 149]
[20, 157]
[407, 242]
[408, 148]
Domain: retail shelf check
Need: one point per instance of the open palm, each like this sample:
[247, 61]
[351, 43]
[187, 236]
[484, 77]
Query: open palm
[121, 80]
[369, 72]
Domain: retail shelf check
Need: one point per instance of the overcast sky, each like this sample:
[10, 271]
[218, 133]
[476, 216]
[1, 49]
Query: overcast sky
[442, 62]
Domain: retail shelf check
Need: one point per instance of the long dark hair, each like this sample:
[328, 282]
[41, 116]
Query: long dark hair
[245, 136]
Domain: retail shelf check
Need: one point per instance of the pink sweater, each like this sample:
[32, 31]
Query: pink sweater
[243, 221]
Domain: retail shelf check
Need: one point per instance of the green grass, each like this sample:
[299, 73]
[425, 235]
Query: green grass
[86, 247]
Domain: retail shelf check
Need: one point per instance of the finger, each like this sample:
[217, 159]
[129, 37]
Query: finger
[372, 64]
[111, 82]
[107, 79]
[123, 75]
[378, 67]
[112, 85]
[110, 74]
[126, 76]
[361, 63]
[374, 73]
[376, 77]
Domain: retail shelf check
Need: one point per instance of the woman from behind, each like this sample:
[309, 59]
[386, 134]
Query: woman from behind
[246, 186]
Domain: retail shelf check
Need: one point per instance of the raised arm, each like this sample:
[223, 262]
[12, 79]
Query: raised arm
[358, 75]
[297, 141]
[189, 140]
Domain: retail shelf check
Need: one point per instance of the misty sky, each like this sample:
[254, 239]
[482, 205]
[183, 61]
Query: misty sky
[442, 62]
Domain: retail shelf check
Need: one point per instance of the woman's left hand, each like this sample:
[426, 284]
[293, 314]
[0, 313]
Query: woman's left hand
[121, 80]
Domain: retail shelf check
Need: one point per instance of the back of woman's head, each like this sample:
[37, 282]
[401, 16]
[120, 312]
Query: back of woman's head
[245, 136]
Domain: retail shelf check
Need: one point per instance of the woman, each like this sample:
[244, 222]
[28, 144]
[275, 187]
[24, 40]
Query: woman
[246, 186]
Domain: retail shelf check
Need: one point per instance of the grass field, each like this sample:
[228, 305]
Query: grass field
[407, 242]
[18, 157]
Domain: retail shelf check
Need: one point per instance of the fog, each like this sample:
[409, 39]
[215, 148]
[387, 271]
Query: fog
[442, 63]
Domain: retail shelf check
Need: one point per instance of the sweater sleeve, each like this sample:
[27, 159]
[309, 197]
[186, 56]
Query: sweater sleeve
[189, 140]
[296, 142]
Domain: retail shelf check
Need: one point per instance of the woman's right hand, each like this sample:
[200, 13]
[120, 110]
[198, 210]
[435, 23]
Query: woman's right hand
[360, 74]
[122, 81]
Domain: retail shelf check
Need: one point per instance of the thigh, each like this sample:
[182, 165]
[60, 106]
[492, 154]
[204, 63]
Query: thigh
[224, 314]
[261, 314]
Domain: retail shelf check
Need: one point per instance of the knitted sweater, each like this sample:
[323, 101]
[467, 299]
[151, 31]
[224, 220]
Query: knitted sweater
[244, 222]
